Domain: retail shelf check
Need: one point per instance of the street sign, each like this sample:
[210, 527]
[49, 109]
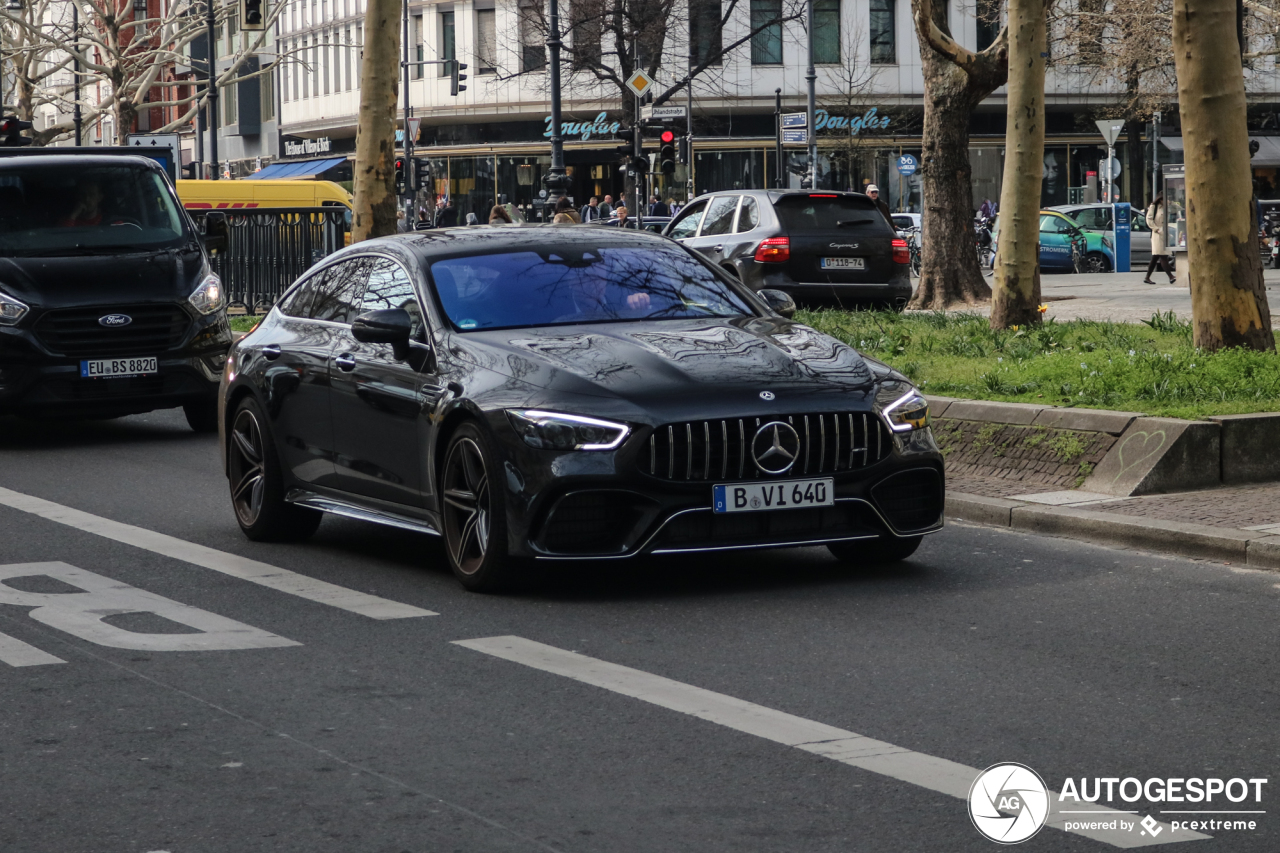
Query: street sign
[154, 140]
[165, 148]
[639, 82]
[1110, 129]
[794, 120]
[649, 113]
[414, 124]
[794, 136]
[907, 165]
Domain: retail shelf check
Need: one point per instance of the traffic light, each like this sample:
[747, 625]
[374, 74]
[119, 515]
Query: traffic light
[640, 162]
[421, 173]
[11, 132]
[667, 154]
[253, 14]
[399, 174]
[456, 77]
[189, 171]
[682, 151]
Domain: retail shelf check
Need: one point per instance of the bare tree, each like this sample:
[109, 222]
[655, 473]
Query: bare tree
[956, 80]
[39, 68]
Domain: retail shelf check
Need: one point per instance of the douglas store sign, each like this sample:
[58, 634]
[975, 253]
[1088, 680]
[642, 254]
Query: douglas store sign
[602, 125]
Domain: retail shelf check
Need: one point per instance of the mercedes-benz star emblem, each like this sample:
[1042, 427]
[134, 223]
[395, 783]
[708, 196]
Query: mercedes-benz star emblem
[775, 447]
[767, 396]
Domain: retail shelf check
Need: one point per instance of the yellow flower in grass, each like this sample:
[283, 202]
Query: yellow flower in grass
[1043, 309]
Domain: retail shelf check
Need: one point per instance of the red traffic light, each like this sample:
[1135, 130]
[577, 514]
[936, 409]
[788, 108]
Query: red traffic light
[668, 137]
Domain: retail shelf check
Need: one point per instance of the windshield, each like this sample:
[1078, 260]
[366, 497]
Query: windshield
[69, 210]
[573, 284]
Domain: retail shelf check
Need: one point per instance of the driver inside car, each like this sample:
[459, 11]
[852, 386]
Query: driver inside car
[87, 211]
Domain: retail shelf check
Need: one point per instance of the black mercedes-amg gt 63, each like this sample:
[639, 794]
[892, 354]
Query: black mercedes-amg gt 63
[559, 392]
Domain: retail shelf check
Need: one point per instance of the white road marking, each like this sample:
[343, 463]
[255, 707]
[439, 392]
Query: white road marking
[896, 762]
[281, 580]
[17, 653]
[81, 613]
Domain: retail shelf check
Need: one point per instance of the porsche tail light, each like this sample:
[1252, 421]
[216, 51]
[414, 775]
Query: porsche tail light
[775, 250]
[901, 254]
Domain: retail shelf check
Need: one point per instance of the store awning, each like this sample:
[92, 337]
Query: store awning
[303, 169]
[1268, 149]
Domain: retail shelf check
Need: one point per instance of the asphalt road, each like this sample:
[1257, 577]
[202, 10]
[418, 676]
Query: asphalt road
[344, 732]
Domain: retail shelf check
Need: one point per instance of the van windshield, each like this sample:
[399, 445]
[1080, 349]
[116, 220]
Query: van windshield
[69, 210]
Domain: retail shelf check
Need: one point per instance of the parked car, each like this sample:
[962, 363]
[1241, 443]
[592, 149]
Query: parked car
[1097, 217]
[813, 245]
[108, 304]
[568, 393]
[903, 222]
[1057, 232]
[654, 224]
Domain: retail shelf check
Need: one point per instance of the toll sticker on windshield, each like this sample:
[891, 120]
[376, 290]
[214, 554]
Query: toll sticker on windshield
[467, 324]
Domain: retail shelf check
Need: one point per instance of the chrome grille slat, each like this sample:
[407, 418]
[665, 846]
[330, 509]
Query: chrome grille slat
[653, 454]
[742, 449]
[724, 443]
[688, 466]
[706, 445]
[671, 452]
[822, 441]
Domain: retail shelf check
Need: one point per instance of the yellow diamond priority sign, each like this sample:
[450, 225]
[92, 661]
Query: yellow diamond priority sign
[639, 82]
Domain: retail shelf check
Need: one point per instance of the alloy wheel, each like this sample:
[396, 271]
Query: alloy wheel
[248, 477]
[466, 506]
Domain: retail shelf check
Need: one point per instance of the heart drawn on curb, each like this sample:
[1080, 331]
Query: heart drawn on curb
[1145, 445]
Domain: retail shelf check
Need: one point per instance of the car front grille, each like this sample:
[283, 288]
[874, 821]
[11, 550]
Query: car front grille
[718, 530]
[112, 388]
[911, 500]
[76, 332]
[702, 451]
[593, 522]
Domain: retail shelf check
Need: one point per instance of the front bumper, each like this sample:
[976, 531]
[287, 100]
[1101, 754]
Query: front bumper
[600, 505]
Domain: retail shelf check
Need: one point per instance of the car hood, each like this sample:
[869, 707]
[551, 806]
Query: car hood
[90, 280]
[660, 364]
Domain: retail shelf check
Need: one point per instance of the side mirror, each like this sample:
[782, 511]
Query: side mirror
[779, 301]
[388, 326]
[216, 231]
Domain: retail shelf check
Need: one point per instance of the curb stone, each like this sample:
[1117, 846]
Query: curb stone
[1241, 547]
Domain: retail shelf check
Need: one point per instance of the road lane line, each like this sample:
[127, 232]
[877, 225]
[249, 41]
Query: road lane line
[886, 759]
[17, 653]
[272, 577]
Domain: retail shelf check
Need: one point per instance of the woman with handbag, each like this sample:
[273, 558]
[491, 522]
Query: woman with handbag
[1159, 255]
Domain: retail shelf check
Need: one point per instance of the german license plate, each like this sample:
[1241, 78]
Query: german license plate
[786, 494]
[844, 263]
[103, 368]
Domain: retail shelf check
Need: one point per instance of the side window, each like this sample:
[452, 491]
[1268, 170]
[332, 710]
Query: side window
[687, 224]
[1050, 224]
[298, 303]
[719, 219]
[749, 215]
[1138, 222]
[390, 287]
[336, 299]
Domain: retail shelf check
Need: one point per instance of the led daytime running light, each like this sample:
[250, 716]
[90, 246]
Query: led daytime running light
[907, 422]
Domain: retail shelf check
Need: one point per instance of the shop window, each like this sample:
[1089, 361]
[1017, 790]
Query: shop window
[348, 49]
[826, 32]
[324, 62]
[448, 43]
[1053, 180]
[706, 43]
[988, 15]
[268, 95]
[486, 42]
[416, 71]
[884, 39]
[766, 24]
[533, 53]
[228, 96]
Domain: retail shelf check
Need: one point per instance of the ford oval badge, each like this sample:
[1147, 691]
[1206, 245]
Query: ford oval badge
[112, 321]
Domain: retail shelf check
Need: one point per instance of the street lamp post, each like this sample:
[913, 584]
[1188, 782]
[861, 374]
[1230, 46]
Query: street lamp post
[811, 76]
[210, 23]
[556, 179]
[75, 72]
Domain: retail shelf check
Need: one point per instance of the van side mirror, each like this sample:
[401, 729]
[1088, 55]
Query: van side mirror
[780, 301]
[216, 231]
[386, 326]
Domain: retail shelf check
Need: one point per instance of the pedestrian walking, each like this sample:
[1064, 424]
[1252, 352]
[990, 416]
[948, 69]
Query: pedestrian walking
[402, 223]
[873, 193]
[447, 216]
[564, 205]
[622, 216]
[563, 219]
[591, 210]
[1159, 252]
[606, 207]
[657, 207]
[499, 216]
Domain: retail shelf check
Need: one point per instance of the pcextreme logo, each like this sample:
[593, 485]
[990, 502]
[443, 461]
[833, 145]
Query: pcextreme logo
[1008, 803]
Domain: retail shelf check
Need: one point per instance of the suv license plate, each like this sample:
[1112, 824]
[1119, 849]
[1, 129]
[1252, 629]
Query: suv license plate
[787, 494]
[844, 263]
[104, 368]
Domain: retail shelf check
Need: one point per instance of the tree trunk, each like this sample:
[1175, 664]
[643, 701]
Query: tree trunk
[375, 172]
[1016, 297]
[955, 82]
[1228, 298]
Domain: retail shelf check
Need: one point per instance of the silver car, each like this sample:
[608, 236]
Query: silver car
[1097, 217]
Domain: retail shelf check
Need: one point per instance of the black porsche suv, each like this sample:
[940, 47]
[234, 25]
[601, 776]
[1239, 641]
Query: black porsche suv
[108, 305]
[816, 246]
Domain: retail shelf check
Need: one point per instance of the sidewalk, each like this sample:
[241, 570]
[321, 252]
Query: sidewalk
[1122, 297]
[1233, 524]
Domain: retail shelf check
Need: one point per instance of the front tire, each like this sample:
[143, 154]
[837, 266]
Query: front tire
[202, 415]
[257, 482]
[473, 513]
[872, 552]
[1096, 262]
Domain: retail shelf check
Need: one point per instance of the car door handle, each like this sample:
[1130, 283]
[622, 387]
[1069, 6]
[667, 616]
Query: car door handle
[271, 352]
[346, 362]
[719, 248]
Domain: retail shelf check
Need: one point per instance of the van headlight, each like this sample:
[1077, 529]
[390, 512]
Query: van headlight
[907, 411]
[556, 431]
[11, 310]
[208, 297]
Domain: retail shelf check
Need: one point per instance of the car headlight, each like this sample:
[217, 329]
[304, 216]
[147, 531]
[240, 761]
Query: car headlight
[556, 431]
[11, 310]
[208, 297]
[909, 411]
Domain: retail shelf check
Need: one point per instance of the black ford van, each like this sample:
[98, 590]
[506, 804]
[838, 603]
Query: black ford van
[108, 305]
